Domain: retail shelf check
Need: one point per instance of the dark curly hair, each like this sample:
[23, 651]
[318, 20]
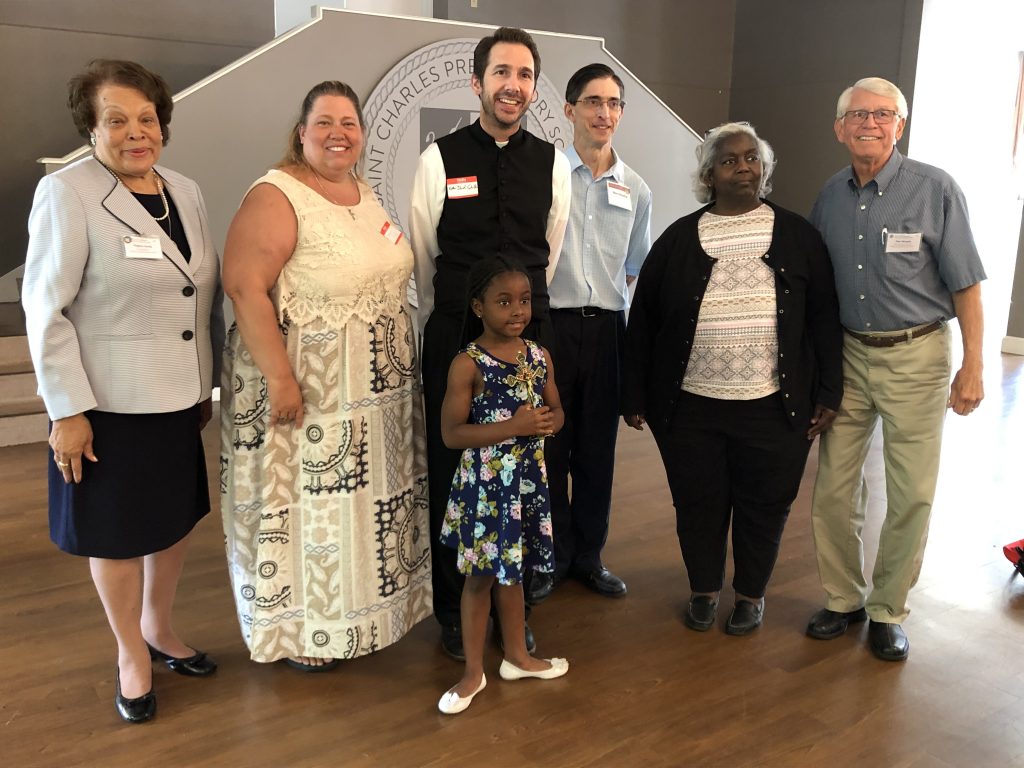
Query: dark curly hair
[82, 89]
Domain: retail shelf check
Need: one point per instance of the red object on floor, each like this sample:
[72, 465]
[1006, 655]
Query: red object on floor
[1015, 554]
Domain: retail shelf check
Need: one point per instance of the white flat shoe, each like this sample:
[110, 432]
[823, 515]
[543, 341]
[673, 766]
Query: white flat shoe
[451, 703]
[510, 671]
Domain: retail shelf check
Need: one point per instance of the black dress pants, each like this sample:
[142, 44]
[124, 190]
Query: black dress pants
[441, 339]
[587, 356]
[737, 459]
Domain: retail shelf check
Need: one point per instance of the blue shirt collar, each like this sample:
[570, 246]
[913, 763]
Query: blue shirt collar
[884, 177]
[617, 171]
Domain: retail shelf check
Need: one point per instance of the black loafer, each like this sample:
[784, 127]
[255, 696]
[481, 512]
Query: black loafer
[700, 613]
[826, 624]
[604, 582]
[745, 618]
[541, 587]
[196, 665]
[531, 641]
[888, 641]
[451, 642]
[137, 710]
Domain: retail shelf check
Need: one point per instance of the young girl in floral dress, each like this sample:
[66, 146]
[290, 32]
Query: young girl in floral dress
[500, 404]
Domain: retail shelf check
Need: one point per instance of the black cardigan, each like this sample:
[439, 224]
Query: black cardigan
[663, 319]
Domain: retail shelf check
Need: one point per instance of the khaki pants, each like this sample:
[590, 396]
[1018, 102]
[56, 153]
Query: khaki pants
[907, 386]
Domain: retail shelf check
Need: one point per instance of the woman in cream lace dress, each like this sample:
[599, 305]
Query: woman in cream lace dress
[323, 465]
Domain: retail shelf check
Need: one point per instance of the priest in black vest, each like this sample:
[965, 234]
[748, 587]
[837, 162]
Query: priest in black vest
[489, 188]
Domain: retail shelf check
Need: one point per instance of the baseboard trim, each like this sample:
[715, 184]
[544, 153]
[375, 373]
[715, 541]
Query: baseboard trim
[1012, 345]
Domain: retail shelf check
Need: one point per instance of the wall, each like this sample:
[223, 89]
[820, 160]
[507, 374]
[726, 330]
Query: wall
[44, 42]
[790, 63]
[681, 49]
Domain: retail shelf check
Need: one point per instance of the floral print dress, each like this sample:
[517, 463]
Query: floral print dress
[499, 513]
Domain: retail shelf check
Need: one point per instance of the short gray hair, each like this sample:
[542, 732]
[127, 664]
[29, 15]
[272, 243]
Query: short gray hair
[878, 86]
[703, 187]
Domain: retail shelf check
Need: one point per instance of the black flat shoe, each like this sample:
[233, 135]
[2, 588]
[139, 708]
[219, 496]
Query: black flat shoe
[312, 668]
[700, 613]
[137, 710]
[888, 641]
[196, 665]
[745, 618]
[827, 625]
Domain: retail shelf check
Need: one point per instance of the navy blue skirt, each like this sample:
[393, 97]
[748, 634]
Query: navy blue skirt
[146, 492]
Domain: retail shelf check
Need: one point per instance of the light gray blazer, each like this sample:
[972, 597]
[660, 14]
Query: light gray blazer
[114, 333]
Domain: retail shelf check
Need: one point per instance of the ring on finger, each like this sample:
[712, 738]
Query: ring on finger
[63, 464]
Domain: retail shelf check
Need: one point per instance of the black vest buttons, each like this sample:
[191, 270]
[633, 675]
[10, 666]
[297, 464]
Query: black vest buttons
[187, 335]
[188, 290]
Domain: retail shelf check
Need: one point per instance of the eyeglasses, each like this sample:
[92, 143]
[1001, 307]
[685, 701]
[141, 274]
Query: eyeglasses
[596, 102]
[882, 116]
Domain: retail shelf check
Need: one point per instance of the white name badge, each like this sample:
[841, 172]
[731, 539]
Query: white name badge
[391, 232]
[136, 247]
[618, 195]
[462, 186]
[899, 242]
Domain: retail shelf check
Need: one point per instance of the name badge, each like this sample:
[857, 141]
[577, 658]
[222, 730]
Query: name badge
[903, 242]
[136, 247]
[618, 195]
[462, 186]
[391, 232]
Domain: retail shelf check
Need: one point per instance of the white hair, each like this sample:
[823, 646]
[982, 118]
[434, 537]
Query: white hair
[703, 187]
[878, 86]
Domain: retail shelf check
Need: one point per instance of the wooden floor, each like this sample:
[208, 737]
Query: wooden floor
[643, 690]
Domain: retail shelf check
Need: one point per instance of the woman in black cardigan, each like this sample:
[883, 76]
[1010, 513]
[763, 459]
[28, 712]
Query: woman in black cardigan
[734, 358]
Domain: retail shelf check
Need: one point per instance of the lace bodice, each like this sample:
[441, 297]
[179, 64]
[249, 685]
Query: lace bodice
[343, 267]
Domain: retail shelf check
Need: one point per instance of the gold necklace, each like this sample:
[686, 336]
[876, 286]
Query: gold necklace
[159, 188]
[319, 184]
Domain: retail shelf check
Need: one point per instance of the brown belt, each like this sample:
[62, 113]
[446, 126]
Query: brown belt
[894, 339]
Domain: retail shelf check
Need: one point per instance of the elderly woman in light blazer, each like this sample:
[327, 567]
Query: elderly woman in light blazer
[124, 309]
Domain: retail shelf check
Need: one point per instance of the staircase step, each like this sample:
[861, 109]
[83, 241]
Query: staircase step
[21, 406]
[14, 385]
[18, 430]
[14, 355]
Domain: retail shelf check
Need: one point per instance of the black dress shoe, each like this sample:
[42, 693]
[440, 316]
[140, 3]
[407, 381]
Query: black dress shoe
[826, 624]
[531, 641]
[700, 613]
[137, 710]
[745, 617]
[196, 665]
[603, 581]
[451, 642]
[541, 587]
[888, 641]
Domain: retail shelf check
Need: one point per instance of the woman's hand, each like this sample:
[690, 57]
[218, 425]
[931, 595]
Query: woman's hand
[529, 421]
[71, 439]
[821, 421]
[635, 420]
[285, 401]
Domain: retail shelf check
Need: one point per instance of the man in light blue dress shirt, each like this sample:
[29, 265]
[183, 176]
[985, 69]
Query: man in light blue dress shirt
[605, 245]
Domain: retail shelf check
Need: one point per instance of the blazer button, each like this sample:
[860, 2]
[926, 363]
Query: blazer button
[188, 290]
[187, 335]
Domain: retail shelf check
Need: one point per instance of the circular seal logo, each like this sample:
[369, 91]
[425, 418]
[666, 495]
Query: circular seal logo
[426, 95]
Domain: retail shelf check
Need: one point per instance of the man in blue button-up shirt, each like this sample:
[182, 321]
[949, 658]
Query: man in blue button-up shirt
[905, 264]
[606, 242]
